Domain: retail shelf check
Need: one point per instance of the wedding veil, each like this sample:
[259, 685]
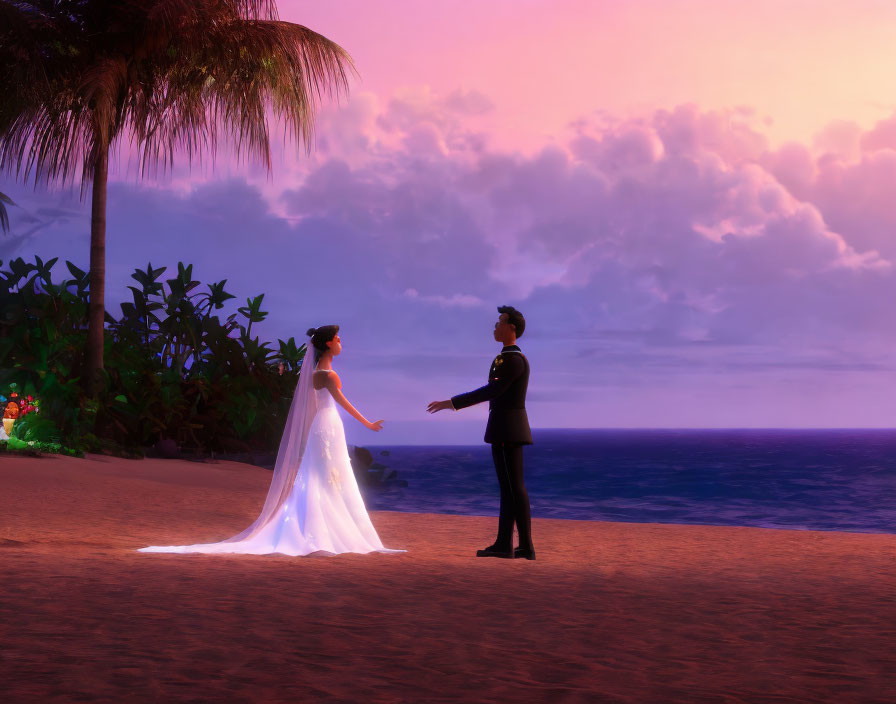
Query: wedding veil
[292, 445]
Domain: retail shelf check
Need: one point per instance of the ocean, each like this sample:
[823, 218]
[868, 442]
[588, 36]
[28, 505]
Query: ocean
[843, 480]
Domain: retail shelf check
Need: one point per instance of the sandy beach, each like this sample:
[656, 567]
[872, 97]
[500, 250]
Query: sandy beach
[609, 612]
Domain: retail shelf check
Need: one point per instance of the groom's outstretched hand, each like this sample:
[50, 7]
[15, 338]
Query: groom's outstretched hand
[439, 406]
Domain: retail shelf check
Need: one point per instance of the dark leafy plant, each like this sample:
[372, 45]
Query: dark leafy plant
[36, 426]
[22, 447]
[175, 369]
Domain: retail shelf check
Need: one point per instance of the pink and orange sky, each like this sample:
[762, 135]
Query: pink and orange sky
[691, 202]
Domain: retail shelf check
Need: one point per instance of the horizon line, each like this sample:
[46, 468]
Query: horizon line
[725, 427]
[536, 431]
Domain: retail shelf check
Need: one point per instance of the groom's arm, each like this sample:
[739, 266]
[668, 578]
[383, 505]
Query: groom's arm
[497, 384]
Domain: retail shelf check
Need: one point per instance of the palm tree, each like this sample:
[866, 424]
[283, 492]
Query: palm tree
[78, 76]
[4, 216]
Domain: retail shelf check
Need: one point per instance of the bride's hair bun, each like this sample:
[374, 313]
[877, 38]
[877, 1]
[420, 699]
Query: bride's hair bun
[321, 336]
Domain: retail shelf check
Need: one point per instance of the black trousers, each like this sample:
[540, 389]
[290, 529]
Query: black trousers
[508, 459]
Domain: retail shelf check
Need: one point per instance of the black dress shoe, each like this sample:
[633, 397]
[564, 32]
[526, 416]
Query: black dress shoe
[524, 553]
[491, 551]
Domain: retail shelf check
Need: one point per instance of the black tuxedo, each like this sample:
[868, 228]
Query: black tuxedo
[508, 379]
[507, 431]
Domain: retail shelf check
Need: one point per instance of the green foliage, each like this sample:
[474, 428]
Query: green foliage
[23, 447]
[36, 426]
[42, 336]
[174, 367]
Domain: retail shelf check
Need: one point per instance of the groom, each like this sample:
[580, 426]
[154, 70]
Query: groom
[507, 431]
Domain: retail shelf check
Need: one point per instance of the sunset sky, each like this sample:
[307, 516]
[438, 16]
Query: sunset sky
[692, 203]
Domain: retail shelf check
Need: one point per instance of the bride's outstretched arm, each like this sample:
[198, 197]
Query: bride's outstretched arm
[376, 426]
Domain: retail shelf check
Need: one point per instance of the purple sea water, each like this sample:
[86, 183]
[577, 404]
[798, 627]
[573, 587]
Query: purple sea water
[841, 480]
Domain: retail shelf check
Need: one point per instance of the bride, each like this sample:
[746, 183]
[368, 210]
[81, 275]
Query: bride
[313, 504]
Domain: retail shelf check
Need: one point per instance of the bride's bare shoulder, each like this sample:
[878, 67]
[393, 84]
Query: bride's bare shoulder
[323, 376]
[319, 379]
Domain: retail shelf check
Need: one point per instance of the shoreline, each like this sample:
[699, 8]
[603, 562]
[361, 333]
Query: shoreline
[374, 486]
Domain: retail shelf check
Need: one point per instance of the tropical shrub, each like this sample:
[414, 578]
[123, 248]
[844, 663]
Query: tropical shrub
[175, 368]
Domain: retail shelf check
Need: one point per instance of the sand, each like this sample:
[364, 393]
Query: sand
[609, 612]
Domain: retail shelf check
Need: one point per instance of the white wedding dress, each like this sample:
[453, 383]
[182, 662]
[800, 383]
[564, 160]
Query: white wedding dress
[323, 511]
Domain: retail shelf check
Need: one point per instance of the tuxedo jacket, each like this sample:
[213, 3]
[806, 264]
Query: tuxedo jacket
[508, 379]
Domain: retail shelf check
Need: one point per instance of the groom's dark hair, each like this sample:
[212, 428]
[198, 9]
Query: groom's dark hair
[320, 337]
[515, 318]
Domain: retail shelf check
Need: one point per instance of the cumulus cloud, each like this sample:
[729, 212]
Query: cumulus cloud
[459, 300]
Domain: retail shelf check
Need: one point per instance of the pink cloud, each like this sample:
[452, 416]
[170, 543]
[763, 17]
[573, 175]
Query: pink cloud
[677, 243]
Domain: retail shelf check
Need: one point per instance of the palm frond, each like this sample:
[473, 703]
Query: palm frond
[179, 12]
[222, 80]
[169, 74]
[4, 216]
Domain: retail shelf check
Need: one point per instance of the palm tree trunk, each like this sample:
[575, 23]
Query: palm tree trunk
[97, 308]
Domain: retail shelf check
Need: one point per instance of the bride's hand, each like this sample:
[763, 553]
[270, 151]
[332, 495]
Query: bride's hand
[376, 426]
